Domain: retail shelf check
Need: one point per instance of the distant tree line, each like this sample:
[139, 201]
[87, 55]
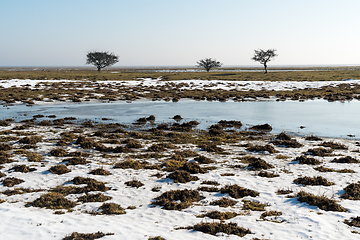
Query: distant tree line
[104, 59]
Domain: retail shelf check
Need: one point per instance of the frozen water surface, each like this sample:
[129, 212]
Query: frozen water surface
[319, 117]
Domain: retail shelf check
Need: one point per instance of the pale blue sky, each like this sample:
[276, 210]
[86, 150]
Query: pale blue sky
[169, 32]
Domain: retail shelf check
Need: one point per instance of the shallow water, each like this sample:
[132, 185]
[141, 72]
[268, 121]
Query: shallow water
[322, 118]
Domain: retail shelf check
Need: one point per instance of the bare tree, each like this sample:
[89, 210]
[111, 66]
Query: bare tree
[101, 59]
[208, 64]
[264, 57]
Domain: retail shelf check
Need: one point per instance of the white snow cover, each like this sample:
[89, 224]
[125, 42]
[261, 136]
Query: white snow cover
[300, 221]
[200, 84]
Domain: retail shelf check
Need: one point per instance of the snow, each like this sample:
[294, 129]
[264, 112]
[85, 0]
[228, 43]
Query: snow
[198, 84]
[301, 221]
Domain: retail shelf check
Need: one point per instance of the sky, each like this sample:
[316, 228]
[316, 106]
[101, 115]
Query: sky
[179, 33]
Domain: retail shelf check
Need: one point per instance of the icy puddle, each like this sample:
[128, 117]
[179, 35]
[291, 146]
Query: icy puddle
[318, 117]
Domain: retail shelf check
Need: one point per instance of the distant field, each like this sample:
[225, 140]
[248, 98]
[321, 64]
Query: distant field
[283, 74]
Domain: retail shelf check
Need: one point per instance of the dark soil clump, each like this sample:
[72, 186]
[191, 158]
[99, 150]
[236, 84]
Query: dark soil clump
[177, 118]
[260, 148]
[86, 143]
[218, 227]
[346, 159]
[128, 164]
[111, 209]
[5, 157]
[229, 124]
[259, 164]
[354, 222]
[325, 169]
[268, 174]
[91, 185]
[322, 152]
[85, 236]
[192, 167]
[224, 202]
[236, 191]
[270, 214]
[22, 168]
[352, 191]
[59, 169]
[133, 144]
[5, 147]
[284, 191]
[34, 157]
[76, 161]
[58, 152]
[334, 145]
[287, 143]
[313, 138]
[169, 200]
[52, 200]
[182, 177]
[11, 181]
[208, 189]
[262, 127]
[156, 148]
[204, 160]
[313, 181]
[283, 136]
[31, 140]
[219, 215]
[156, 238]
[211, 147]
[134, 183]
[321, 202]
[99, 197]
[253, 206]
[307, 160]
[100, 171]
[211, 183]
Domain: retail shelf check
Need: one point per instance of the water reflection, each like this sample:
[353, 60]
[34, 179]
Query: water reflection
[319, 117]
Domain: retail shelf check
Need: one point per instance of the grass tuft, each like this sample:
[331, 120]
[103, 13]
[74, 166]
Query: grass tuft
[321, 202]
[236, 191]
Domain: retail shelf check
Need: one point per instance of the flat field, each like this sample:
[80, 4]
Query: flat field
[65, 178]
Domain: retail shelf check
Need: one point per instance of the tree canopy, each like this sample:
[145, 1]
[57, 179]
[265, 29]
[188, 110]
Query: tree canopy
[101, 59]
[208, 64]
[264, 57]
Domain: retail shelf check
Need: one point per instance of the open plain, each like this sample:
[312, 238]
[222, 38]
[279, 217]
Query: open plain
[63, 177]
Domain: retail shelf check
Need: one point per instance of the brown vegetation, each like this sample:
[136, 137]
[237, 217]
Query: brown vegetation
[111, 209]
[307, 160]
[216, 227]
[260, 148]
[321, 202]
[182, 177]
[313, 181]
[134, 183]
[253, 205]
[346, 159]
[59, 169]
[236, 191]
[11, 181]
[85, 236]
[100, 171]
[99, 197]
[52, 200]
[169, 200]
[352, 191]
[219, 215]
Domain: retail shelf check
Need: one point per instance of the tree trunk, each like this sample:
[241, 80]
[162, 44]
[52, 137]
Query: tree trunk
[99, 69]
[265, 66]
